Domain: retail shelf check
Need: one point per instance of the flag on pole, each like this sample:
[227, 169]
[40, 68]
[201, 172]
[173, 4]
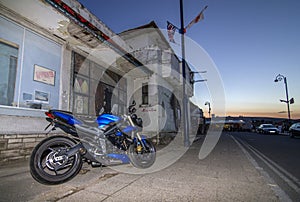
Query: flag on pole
[171, 31]
[199, 17]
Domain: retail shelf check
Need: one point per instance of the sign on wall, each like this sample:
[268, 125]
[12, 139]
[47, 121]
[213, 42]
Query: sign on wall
[41, 96]
[44, 75]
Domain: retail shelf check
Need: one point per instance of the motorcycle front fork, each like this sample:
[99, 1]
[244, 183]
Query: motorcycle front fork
[140, 143]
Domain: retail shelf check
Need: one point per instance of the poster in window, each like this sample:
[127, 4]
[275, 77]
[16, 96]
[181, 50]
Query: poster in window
[41, 96]
[81, 104]
[44, 75]
[81, 85]
[27, 96]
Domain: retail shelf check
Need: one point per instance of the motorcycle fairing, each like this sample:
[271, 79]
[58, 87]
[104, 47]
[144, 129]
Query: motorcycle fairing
[68, 117]
[128, 129]
[106, 119]
[123, 157]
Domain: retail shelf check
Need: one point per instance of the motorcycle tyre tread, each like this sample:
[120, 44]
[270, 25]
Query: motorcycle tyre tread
[33, 167]
[138, 164]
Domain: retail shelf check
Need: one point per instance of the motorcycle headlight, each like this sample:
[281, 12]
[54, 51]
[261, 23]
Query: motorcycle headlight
[133, 116]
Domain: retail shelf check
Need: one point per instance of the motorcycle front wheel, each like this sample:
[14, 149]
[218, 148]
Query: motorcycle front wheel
[49, 163]
[142, 156]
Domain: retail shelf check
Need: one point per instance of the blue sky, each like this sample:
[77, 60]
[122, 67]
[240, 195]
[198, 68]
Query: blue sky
[250, 41]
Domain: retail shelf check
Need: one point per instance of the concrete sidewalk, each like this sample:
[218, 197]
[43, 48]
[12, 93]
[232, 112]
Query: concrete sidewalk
[225, 175]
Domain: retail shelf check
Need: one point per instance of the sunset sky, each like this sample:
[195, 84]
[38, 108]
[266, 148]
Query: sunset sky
[249, 41]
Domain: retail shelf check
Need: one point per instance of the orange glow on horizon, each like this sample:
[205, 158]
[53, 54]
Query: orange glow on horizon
[264, 114]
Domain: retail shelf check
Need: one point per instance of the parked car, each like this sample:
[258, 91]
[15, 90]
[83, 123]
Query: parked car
[267, 129]
[294, 130]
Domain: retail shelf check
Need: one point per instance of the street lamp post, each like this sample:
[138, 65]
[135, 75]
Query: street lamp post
[208, 103]
[279, 77]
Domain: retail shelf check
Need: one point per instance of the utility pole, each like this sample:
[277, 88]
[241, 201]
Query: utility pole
[184, 100]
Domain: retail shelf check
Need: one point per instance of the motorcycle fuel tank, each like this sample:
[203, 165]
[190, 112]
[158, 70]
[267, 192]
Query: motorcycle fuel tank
[106, 119]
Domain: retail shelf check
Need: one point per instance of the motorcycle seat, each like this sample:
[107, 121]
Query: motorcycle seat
[72, 119]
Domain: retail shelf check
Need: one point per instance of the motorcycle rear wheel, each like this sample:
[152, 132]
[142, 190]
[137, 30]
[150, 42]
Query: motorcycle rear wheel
[142, 157]
[49, 165]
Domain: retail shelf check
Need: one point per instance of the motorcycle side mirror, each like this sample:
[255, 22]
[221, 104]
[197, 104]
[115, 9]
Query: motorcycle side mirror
[131, 106]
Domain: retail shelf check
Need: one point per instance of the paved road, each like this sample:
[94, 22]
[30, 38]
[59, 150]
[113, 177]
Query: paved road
[278, 155]
[225, 175]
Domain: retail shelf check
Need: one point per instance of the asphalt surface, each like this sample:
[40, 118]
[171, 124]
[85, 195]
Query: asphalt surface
[278, 155]
[228, 173]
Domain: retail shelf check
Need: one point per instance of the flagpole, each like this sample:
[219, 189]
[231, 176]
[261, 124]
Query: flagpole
[184, 100]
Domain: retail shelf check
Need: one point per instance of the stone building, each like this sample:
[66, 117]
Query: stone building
[56, 54]
[160, 107]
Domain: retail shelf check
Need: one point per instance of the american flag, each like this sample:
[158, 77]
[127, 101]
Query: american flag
[171, 31]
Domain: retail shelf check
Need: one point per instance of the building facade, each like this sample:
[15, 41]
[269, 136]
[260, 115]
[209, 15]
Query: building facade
[159, 95]
[48, 61]
[61, 56]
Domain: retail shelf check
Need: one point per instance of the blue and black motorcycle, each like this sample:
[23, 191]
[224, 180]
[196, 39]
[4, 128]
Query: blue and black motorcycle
[108, 140]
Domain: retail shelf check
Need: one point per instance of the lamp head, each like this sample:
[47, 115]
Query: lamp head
[279, 77]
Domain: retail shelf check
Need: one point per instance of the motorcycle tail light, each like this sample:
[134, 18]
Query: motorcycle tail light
[49, 115]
